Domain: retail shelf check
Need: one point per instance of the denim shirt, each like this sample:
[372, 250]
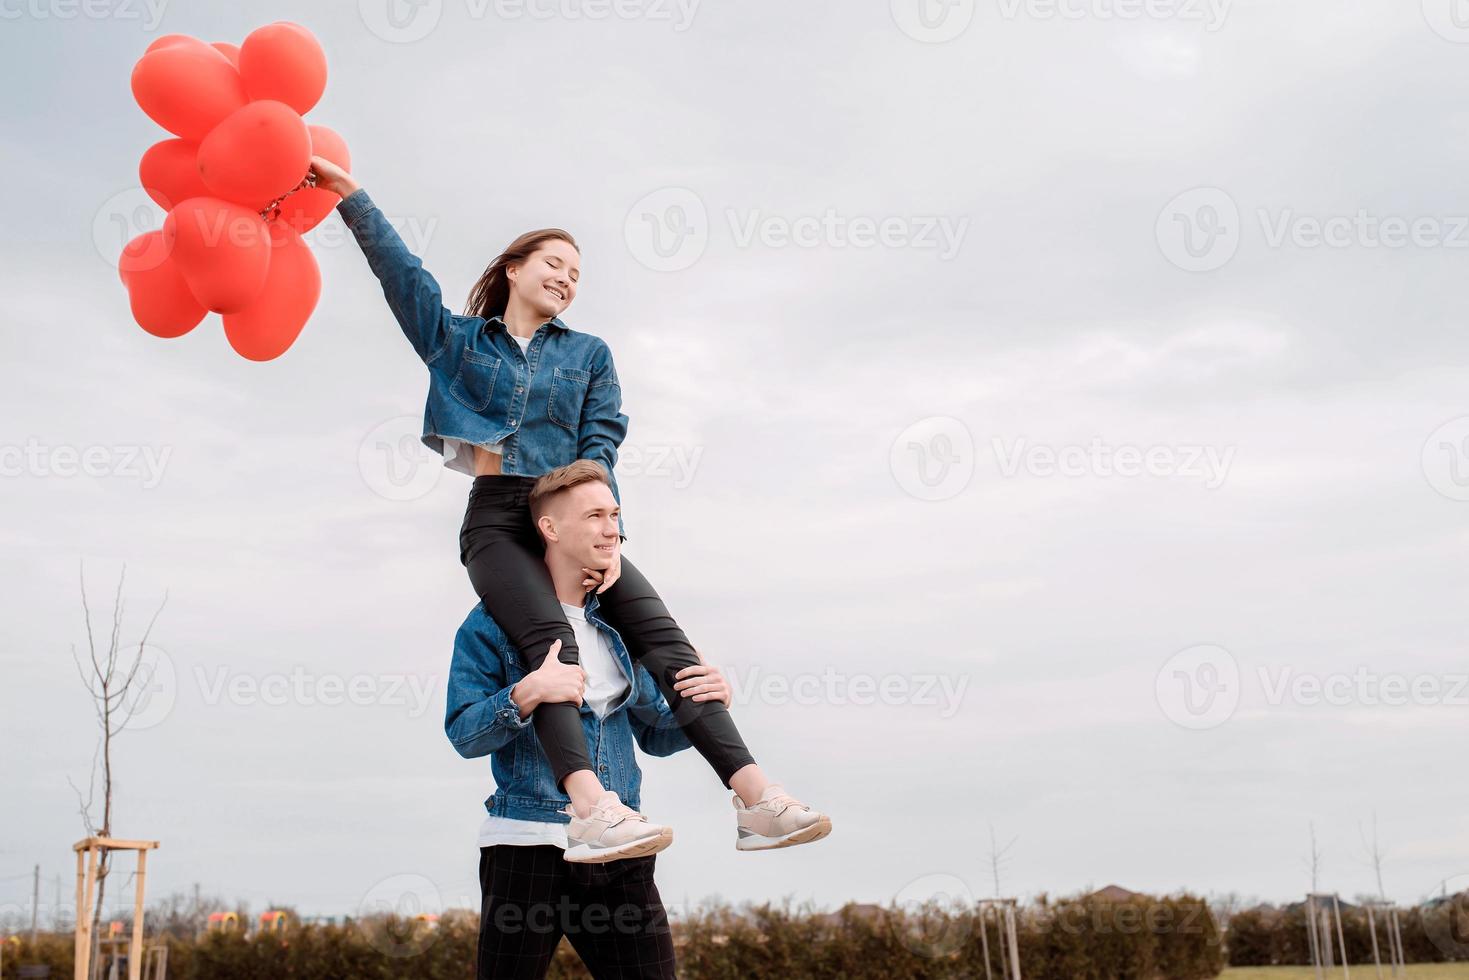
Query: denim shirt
[553, 403]
[481, 719]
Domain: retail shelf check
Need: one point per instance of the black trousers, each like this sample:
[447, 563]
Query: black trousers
[531, 896]
[505, 557]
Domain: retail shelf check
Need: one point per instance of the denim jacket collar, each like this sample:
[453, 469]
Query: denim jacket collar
[498, 321]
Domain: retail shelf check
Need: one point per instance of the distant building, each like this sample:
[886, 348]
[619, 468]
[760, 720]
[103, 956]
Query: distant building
[1437, 900]
[863, 911]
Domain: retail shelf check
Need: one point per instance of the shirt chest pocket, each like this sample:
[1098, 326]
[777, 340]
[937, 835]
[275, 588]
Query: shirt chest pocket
[568, 394]
[474, 385]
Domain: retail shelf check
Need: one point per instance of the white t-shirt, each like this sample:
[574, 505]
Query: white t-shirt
[606, 684]
[459, 455]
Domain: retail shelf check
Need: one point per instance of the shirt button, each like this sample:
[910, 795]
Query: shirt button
[519, 390]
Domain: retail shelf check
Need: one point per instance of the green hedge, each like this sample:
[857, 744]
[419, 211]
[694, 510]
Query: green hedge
[1269, 935]
[1080, 938]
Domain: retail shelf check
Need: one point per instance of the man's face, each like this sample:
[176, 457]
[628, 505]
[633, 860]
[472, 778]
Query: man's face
[584, 521]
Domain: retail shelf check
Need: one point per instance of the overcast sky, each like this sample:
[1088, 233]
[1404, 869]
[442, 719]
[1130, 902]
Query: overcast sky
[1051, 416]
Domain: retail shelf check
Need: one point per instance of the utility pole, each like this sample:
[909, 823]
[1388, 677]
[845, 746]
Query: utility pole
[35, 902]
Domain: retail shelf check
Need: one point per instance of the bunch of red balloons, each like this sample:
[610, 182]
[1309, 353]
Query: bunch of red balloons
[233, 184]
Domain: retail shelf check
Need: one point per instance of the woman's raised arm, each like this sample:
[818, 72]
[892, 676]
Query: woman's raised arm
[412, 293]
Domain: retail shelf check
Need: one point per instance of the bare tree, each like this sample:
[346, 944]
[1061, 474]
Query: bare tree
[1225, 906]
[997, 858]
[185, 915]
[1374, 855]
[1313, 862]
[109, 676]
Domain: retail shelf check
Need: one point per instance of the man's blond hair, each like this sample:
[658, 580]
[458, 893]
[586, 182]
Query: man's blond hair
[561, 479]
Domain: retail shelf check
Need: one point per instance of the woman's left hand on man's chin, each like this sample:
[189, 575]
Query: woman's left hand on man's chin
[603, 580]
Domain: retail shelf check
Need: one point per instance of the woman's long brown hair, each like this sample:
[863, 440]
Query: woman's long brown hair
[491, 293]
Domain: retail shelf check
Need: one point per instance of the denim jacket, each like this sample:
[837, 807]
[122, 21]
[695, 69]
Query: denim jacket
[554, 403]
[481, 719]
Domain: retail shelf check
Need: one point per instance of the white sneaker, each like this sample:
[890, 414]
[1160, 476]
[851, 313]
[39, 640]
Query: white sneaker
[612, 831]
[777, 819]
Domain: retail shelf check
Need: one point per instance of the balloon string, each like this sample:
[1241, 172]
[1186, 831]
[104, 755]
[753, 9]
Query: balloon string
[273, 210]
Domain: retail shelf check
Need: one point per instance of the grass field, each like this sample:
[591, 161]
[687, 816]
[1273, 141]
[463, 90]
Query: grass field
[1417, 971]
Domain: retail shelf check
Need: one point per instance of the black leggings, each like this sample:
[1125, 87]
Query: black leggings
[505, 557]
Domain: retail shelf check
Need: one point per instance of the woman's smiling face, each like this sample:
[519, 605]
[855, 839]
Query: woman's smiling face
[546, 280]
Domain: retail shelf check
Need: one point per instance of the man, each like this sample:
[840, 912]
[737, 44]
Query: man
[545, 870]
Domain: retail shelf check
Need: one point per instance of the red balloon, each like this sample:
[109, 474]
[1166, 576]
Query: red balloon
[143, 253]
[230, 51]
[306, 208]
[222, 249]
[283, 61]
[267, 327]
[186, 87]
[169, 40]
[160, 298]
[259, 153]
[169, 172]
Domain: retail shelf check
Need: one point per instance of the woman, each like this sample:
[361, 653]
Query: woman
[513, 394]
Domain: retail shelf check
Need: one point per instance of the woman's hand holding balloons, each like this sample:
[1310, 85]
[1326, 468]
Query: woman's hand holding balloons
[332, 178]
[234, 184]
